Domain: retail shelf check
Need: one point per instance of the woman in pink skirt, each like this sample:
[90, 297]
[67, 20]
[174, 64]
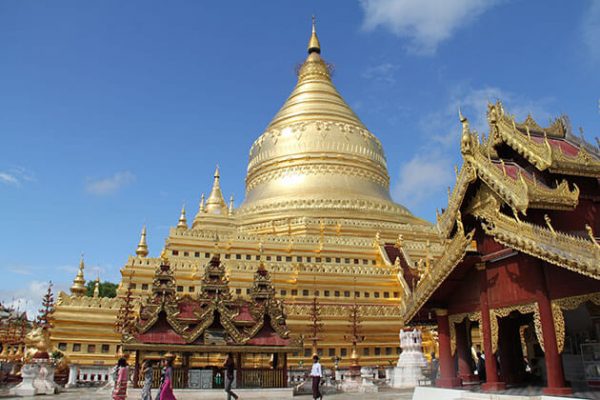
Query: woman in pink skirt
[166, 388]
[120, 390]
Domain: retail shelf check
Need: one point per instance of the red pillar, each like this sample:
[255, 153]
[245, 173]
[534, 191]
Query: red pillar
[448, 378]
[463, 350]
[554, 368]
[491, 369]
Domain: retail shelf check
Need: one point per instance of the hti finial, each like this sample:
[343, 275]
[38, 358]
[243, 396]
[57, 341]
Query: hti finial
[313, 44]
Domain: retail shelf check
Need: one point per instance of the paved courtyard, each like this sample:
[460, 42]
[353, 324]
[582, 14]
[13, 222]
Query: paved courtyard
[95, 394]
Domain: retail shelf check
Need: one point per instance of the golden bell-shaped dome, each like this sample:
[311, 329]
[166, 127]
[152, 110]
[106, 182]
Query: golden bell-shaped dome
[316, 156]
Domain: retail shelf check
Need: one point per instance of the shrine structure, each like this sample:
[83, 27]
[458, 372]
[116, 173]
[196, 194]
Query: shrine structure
[317, 213]
[522, 261]
[201, 330]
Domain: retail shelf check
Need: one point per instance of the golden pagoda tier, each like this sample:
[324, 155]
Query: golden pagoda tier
[317, 213]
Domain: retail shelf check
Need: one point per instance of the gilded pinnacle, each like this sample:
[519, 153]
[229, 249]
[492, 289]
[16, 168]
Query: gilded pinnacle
[215, 204]
[313, 44]
[142, 249]
[78, 288]
[97, 288]
[182, 220]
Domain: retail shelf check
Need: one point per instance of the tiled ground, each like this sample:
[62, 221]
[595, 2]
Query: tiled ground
[94, 394]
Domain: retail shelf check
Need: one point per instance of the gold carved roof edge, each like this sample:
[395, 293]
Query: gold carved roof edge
[564, 250]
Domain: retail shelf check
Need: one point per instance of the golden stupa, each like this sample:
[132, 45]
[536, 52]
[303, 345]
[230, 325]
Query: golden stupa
[317, 213]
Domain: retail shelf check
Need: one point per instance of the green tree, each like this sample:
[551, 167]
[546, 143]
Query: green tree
[107, 289]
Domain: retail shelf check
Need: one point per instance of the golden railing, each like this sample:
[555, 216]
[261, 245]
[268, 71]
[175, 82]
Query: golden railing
[261, 378]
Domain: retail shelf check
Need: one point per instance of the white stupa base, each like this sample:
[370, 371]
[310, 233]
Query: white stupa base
[26, 387]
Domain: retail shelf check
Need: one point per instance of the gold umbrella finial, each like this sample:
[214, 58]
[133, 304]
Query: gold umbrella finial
[313, 44]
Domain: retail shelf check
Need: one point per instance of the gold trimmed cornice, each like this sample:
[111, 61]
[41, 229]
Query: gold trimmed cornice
[564, 250]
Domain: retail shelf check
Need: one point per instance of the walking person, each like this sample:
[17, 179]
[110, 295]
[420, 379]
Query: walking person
[166, 388]
[481, 367]
[120, 389]
[316, 374]
[148, 375]
[229, 368]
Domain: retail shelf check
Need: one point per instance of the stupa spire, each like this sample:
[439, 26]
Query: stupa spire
[142, 249]
[182, 220]
[313, 44]
[97, 287]
[215, 204]
[78, 288]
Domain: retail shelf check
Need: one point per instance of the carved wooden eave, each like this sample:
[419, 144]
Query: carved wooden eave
[532, 142]
[564, 250]
[446, 221]
[522, 191]
[455, 250]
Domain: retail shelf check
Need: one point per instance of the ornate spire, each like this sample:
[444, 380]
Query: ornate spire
[231, 205]
[215, 204]
[78, 288]
[97, 287]
[182, 220]
[142, 249]
[313, 44]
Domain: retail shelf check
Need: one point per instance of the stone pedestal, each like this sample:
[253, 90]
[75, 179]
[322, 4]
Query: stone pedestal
[408, 370]
[352, 380]
[26, 387]
[44, 382]
[72, 381]
[367, 385]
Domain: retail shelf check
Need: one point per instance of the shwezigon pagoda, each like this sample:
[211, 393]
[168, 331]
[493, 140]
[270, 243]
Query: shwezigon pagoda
[319, 218]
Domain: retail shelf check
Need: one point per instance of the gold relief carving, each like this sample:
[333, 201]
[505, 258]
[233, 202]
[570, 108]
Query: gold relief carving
[316, 169]
[568, 303]
[502, 312]
[457, 319]
[543, 155]
[446, 221]
[302, 310]
[568, 251]
[346, 204]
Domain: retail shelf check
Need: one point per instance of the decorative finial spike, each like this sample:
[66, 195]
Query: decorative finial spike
[182, 223]
[142, 249]
[313, 44]
[78, 288]
[217, 174]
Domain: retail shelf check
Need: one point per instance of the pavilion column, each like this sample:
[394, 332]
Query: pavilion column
[554, 368]
[448, 378]
[136, 371]
[492, 382]
[463, 350]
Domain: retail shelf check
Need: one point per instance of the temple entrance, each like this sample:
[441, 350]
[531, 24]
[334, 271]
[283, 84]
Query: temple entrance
[581, 349]
[520, 356]
[205, 370]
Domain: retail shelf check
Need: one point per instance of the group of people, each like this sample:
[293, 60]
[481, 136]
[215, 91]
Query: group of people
[165, 390]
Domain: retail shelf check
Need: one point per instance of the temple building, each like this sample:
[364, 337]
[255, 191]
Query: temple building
[317, 213]
[522, 260]
[510, 269]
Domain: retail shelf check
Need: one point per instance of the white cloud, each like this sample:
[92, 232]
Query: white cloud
[15, 176]
[426, 23]
[110, 185]
[382, 72]
[422, 177]
[590, 29]
[430, 171]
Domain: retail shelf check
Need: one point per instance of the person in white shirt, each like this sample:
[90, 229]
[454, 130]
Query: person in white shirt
[316, 373]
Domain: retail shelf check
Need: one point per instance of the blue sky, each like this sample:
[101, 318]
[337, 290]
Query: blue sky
[113, 114]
